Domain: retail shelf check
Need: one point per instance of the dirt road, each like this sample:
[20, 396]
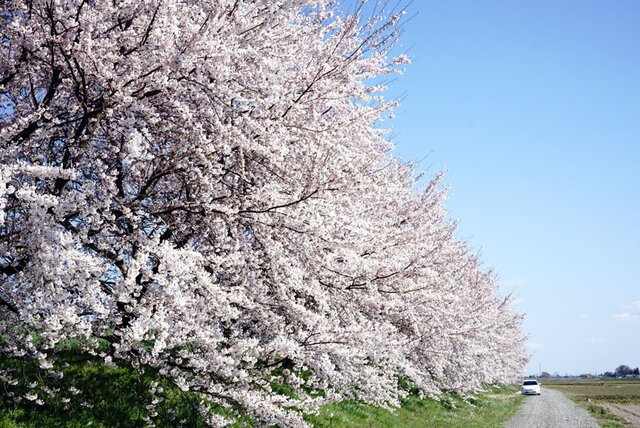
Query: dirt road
[551, 409]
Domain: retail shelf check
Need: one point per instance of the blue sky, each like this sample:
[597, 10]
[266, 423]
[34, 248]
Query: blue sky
[533, 109]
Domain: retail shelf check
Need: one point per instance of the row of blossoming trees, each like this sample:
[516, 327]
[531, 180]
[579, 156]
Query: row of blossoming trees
[201, 185]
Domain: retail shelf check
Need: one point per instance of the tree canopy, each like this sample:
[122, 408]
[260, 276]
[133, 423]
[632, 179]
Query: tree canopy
[202, 189]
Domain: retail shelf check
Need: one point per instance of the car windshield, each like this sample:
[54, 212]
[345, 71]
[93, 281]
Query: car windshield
[530, 382]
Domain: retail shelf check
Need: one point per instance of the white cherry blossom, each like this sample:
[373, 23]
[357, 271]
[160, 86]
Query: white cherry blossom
[204, 187]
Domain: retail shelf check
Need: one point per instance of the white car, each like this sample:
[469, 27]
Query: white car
[530, 387]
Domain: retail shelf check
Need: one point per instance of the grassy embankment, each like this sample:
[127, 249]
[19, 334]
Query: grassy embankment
[605, 399]
[490, 410]
[112, 397]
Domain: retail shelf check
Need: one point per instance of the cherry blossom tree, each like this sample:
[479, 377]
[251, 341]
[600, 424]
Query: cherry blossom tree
[202, 189]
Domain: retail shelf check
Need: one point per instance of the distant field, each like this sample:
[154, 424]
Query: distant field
[618, 390]
[614, 402]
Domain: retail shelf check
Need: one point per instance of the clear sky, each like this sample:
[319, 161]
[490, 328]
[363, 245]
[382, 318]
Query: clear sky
[533, 109]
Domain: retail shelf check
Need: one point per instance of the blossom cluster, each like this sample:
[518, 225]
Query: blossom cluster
[205, 187]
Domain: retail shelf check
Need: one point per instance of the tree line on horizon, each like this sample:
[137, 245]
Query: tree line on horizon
[620, 371]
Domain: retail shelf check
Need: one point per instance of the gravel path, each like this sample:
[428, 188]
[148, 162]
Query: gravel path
[551, 409]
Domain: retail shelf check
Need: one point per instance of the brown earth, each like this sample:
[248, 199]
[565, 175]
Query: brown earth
[630, 413]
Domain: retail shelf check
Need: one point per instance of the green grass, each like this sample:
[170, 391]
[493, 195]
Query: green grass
[605, 418]
[490, 409]
[119, 396]
[108, 397]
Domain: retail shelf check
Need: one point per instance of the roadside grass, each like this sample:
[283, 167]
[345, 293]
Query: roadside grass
[119, 397]
[605, 418]
[490, 409]
[594, 394]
